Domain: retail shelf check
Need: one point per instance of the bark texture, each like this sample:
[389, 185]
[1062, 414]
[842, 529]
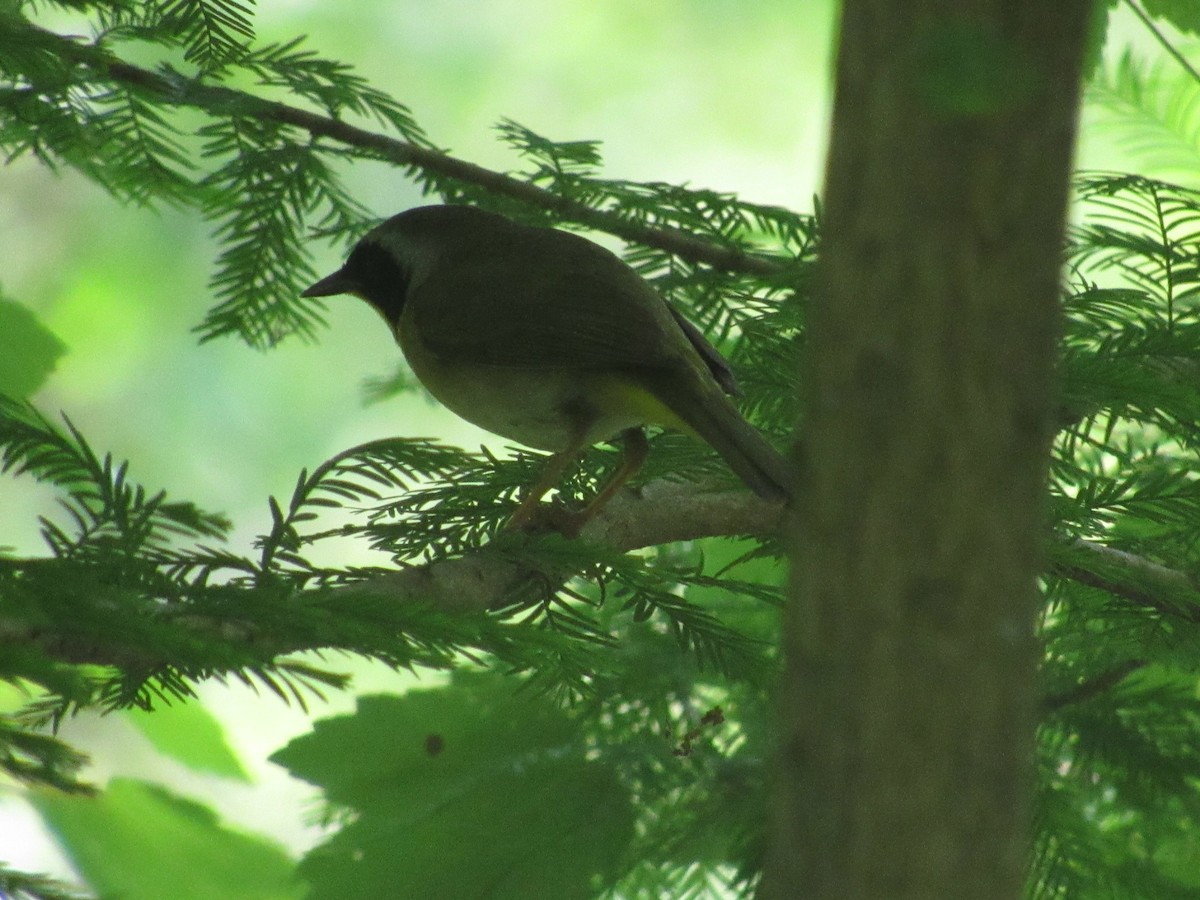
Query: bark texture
[909, 703]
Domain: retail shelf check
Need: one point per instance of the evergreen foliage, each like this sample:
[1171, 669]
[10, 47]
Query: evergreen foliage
[647, 668]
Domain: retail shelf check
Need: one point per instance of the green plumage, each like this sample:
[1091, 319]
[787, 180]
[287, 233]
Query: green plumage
[545, 337]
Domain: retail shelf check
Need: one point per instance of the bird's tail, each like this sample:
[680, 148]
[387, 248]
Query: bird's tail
[713, 417]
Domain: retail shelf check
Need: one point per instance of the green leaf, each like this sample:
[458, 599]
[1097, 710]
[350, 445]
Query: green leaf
[1180, 860]
[1097, 35]
[139, 842]
[1183, 14]
[499, 783]
[29, 351]
[1153, 109]
[190, 734]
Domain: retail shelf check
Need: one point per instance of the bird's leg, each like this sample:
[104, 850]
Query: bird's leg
[634, 450]
[532, 513]
[529, 512]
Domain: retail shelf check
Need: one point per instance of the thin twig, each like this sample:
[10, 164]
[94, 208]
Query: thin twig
[1161, 38]
[1170, 592]
[659, 512]
[1093, 687]
[184, 92]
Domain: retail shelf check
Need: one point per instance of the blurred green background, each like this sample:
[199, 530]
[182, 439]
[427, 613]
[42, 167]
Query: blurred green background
[716, 93]
[719, 94]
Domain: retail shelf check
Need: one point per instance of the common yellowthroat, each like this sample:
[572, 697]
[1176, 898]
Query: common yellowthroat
[550, 340]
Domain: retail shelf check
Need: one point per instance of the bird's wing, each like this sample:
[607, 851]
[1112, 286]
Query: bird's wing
[571, 304]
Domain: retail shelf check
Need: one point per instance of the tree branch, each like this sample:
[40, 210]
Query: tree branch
[175, 90]
[658, 513]
[1105, 681]
[1134, 578]
[1170, 48]
[661, 512]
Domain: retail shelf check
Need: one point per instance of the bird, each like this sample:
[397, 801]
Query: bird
[548, 339]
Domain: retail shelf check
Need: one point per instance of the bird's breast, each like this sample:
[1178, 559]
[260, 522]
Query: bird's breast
[545, 408]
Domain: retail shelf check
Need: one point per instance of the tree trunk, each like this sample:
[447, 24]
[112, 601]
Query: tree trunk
[908, 708]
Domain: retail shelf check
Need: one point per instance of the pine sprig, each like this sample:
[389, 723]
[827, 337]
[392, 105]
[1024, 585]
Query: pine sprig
[569, 169]
[362, 475]
[646, 590]
[455, 513]
[1118, 759]
[144, 147]
[16, 885]
[125, 591]
[552, 162]
[39, 759]
[331, 85]
[213, 32]
[264, 264]
[101, 502]
[55, 128]
[259, 154]
[1144, 229]
[1154, 110]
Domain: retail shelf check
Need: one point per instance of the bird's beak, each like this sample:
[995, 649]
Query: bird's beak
[337, 283]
